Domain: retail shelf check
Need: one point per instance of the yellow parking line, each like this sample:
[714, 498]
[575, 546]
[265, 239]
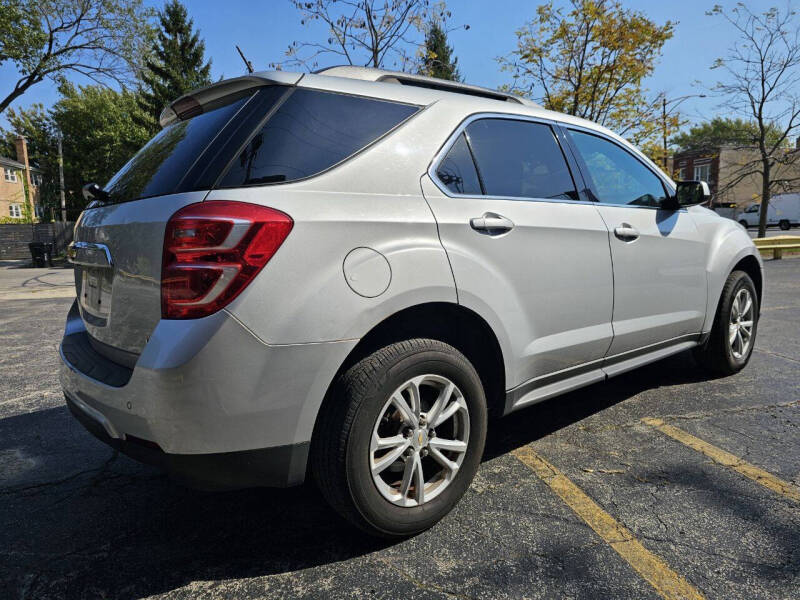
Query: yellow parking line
[726, 459]
[655, 571]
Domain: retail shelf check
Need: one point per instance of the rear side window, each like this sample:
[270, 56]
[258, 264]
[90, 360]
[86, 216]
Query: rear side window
[457, 170]
[311, 132]
[160, 166]
[520, 159]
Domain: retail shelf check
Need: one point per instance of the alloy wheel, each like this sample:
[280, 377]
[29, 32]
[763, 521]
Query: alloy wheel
[419, 440]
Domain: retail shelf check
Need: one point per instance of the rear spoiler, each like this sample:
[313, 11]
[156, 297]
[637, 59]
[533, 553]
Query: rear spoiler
[207, 98]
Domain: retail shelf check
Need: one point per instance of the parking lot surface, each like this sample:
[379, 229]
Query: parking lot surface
[659, 483]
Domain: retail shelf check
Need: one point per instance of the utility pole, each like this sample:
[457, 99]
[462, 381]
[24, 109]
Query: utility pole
[664, 131]
[59, 136]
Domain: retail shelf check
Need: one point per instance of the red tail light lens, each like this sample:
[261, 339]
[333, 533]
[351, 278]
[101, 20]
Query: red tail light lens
[212, 250]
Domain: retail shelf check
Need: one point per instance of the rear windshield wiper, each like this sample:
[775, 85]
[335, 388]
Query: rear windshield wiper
[92, 191]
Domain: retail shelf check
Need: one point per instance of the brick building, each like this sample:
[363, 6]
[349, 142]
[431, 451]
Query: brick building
[13, 175]
[720, 166]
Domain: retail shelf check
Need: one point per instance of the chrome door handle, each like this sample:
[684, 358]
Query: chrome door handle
[626, 233]
[491, 223]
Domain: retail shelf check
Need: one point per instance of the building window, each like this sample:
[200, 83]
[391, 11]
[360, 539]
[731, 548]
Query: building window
[682, 174]
[36, 179]
[15, 211]
[702, 172]
[11, 175]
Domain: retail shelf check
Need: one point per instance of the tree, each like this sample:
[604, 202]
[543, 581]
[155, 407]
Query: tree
[437, 59]
[177, 64]
[371, 33]
[100, 132]
[724, 131]
[590, 62]
[51, 39]
[762, 83]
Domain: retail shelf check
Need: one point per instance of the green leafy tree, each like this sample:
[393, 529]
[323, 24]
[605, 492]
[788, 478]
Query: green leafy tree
[100, 134]
[437, 55]
[53, 39]
[722, 131]
[176, 66]
[590, 61]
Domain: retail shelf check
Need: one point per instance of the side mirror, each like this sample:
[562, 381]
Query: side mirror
[688, 193]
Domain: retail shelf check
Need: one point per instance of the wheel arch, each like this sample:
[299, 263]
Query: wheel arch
[448, 322]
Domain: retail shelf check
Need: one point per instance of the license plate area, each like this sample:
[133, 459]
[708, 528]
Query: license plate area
[96, 294]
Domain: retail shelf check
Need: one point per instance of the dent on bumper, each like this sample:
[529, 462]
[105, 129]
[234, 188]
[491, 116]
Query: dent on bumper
[210, 387]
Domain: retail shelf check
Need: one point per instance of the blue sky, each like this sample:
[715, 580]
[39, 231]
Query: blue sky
[265, 29]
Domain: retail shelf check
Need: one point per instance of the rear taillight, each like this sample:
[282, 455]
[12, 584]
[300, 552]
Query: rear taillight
[212, 250]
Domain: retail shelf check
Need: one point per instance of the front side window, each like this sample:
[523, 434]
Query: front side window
[457, 170]
[15, 211]
[311, 132]
[617, 177]
[520, 159]
[11, 175]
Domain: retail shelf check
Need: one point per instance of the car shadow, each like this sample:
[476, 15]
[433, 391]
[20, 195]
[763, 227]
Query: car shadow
[77, 516]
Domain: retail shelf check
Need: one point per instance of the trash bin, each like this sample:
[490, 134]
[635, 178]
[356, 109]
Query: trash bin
[41, 253]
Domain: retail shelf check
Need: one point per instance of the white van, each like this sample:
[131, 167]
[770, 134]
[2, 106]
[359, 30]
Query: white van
[783, 211]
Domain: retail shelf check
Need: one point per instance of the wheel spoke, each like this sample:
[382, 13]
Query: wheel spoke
[448, 464]
[733, 329]
[441, 402]
[388, 458]
[407, 412]
[408, 475]
[740, 341]
[748, 304]
[445, 444]
[452, 409]
[382, 443]
[419, 479]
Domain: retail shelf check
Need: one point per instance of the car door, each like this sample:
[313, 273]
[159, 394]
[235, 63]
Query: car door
[658, 255]
[525, 252]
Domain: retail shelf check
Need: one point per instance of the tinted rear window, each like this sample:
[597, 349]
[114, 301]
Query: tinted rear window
[520, 159]
[309, 133]
[159, 167]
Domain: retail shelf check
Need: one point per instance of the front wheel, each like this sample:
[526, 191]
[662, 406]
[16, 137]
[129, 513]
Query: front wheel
[784, 225]
[401, 437]
[733, 334]
[743, 223]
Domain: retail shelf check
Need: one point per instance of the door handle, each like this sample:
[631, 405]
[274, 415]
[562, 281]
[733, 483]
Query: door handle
[626, 233]
[491, 224]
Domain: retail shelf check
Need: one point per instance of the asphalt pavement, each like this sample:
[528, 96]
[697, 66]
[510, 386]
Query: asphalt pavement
[659, 483]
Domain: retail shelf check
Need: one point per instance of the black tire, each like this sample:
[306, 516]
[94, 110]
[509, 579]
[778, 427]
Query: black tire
[340, 447]
[743, 223]
[784, 225]
[716, 354]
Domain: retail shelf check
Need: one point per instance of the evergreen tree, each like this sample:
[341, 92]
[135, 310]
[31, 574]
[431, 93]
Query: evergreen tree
[438, 60]
[176, 65]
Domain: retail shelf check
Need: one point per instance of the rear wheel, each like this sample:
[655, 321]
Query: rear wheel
[784, 224]
[401, 437]
[733, 334]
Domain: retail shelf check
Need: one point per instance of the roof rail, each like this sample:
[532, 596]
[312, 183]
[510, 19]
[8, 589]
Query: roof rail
[432, 83]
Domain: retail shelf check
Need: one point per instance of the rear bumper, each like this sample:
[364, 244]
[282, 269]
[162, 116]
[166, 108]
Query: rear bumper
[207, 400]
[279, 466]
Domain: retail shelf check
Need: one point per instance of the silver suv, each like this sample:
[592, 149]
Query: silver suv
[344, 274]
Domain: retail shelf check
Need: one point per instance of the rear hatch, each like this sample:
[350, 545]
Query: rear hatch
[119, 238]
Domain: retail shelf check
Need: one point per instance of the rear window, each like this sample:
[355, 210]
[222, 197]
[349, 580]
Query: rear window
[520, 159]
[311, 132]
[160, 166]
[457, 170]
